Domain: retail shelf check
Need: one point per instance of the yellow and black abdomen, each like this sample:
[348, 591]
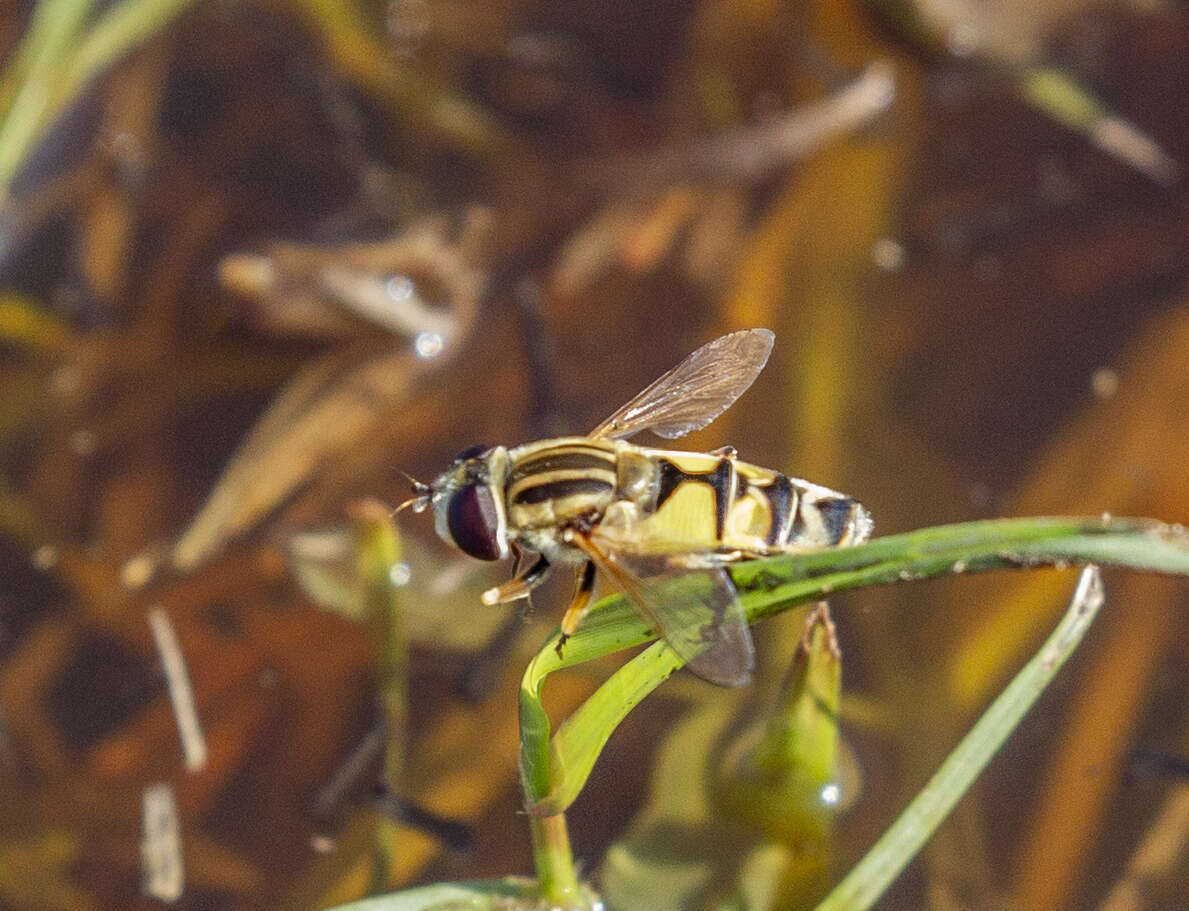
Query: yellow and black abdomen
[716, 502]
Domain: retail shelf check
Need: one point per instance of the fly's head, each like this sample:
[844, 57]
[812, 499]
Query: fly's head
[468, 504]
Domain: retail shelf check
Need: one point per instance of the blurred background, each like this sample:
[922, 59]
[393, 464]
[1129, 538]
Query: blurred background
[259, 258]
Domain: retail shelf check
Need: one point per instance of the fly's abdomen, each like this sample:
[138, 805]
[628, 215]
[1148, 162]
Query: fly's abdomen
[711, 502]
[776, 513]
[821, 518]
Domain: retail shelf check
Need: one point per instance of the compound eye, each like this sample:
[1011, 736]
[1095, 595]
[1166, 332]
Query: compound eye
[473, 521]
[471, 452]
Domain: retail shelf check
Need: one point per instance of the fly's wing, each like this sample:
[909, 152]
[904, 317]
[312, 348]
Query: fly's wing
[696, 391]
[696, 611]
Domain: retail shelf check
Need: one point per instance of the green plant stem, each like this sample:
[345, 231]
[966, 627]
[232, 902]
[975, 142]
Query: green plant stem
[57, 60]
[552, 857]
[554, 768]
[378, 550]
[121, 29]
[868, 879]
[52, 35]
[419, 99]
[554, 861]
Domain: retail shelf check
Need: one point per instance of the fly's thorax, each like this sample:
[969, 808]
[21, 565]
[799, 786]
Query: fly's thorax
[468, 503]
[637, 476]
[552, 483]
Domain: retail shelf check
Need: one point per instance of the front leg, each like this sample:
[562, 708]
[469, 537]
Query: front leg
[519, 586]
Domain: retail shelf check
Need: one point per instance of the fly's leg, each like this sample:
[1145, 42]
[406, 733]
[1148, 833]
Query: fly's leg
[578, 606]
[725, 452]
[520, 586]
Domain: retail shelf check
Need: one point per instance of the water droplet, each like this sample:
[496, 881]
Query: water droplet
[323, 844]
[65, 381]
[962, 40]
[138, 571]
[45, 557]
[82, 442]
[887, 254]
[400, 288]
[129, 153]
[400, 574]
[1104, 382]
[959, 566]
[428, 344]
[409, 22]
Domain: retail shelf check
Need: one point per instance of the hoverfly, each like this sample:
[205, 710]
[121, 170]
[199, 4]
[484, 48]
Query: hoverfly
[643, 516]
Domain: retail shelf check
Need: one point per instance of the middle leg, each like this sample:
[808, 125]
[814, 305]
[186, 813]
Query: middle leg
[579, 605]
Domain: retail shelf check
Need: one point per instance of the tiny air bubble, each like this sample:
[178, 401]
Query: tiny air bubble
[399, 574]
[400, 288]
[82, 442]
[1104, 382]
[962, 40]
[887, 254]
[323, 844]
[45, 557]
[428, 344]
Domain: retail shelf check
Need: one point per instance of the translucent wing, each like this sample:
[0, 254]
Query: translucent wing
[696, 611]
[696, 391]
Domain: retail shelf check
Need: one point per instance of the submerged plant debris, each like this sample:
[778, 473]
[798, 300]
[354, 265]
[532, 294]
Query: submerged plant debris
[262, 262]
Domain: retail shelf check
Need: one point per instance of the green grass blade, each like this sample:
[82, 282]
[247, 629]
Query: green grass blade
[868, 879]
[31, 80]
[121, 29]
[556, 768]
[58, 58]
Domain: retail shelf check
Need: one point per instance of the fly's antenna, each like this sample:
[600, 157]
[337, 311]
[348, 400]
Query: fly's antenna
[420, 498]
